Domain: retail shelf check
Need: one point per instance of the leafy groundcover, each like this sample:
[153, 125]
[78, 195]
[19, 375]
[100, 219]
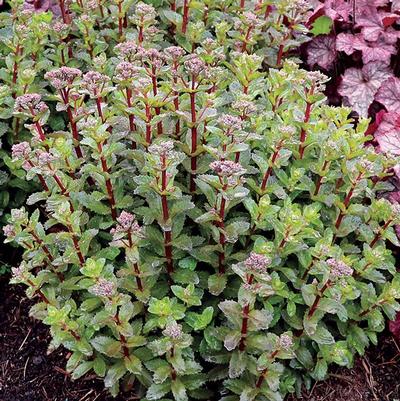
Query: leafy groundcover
[207, 227]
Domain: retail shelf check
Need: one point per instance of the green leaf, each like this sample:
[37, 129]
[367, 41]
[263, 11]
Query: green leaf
[107, 345]
[322, 26]
[114, 374]
[82, 369]
[156, 391]
[217, 283]
[133, 364]
[178, 390]
[199, 321]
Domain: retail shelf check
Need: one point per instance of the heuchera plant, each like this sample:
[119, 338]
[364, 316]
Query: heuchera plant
[360, 41]
[207, 226]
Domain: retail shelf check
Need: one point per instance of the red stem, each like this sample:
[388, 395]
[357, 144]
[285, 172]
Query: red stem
[185, 18]
[193, 162]
[75, 134]
[347, 201]
[379, 234]
[318, 299]
[319, 181]
[109, 186]
[245, 320]
[303, 133]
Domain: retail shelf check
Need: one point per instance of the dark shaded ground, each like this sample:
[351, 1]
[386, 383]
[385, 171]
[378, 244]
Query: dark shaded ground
[27, 373]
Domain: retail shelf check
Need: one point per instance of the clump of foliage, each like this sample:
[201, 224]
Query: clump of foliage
[358, 41]
[207, 225]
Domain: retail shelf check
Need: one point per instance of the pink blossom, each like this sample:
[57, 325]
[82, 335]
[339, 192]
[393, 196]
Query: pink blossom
[227, 168]
[174, 52]
[126, 219]
[20, 150]
[285, 342]
[103, 288]
[9, 230]
[194, 65]
[125, 71]
[63, 77]
[126, 50]
[31, 102]
[339, 268]
[257, 262]
[230, 122]
[94, 82]
[173, 330]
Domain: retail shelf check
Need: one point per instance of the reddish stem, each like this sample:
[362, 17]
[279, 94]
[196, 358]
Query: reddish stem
[269, 170]
[319, 181]
[379, 234]
[109, 186]
[99, 109]
[185, 18]
[245, 320]
[318, 299]
[193, 162]
[120, 19]
[132, 126]
[222, 239]
[75, 134]
[347, 201]
[303, 133]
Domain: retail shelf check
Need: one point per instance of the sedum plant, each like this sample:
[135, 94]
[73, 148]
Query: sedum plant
[207, 227]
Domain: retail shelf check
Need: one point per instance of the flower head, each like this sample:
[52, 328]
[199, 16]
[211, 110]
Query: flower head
[285, 342]
[125, 71]
[103, 288]
[227, 168]
[9, 230]
[173, 330]
[339, 268]
[194, 65]
[20, 150]
[145, 12]
[126, 50]
[174, 52]
[94, 82]
[230, 122]
[257, 262]
[163, 149]
[31, 102]
[18, 272]
[63, 77]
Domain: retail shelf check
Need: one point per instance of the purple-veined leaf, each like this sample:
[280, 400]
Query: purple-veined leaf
[321, 51]
[379, 50]
[373, 23]
[388, 133]
[389, 94]
[359, 86]
[348, 43]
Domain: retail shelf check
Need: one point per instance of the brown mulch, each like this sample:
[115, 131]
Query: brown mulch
[27, 373]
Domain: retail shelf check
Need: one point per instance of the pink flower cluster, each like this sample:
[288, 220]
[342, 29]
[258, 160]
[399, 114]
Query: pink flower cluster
[125, 71]
[173, 330]
[227, 168]
[31, 102]
[63, 77]
[194, 65]
[20, 150]
[230, 122]
[126, 50]
[94, 82]
[103, 288]
[285, 342]
[9, 230]
[257, 262]
[127, 223]
[339, 268]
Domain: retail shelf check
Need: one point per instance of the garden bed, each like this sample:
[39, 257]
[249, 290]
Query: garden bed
[27, 373]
